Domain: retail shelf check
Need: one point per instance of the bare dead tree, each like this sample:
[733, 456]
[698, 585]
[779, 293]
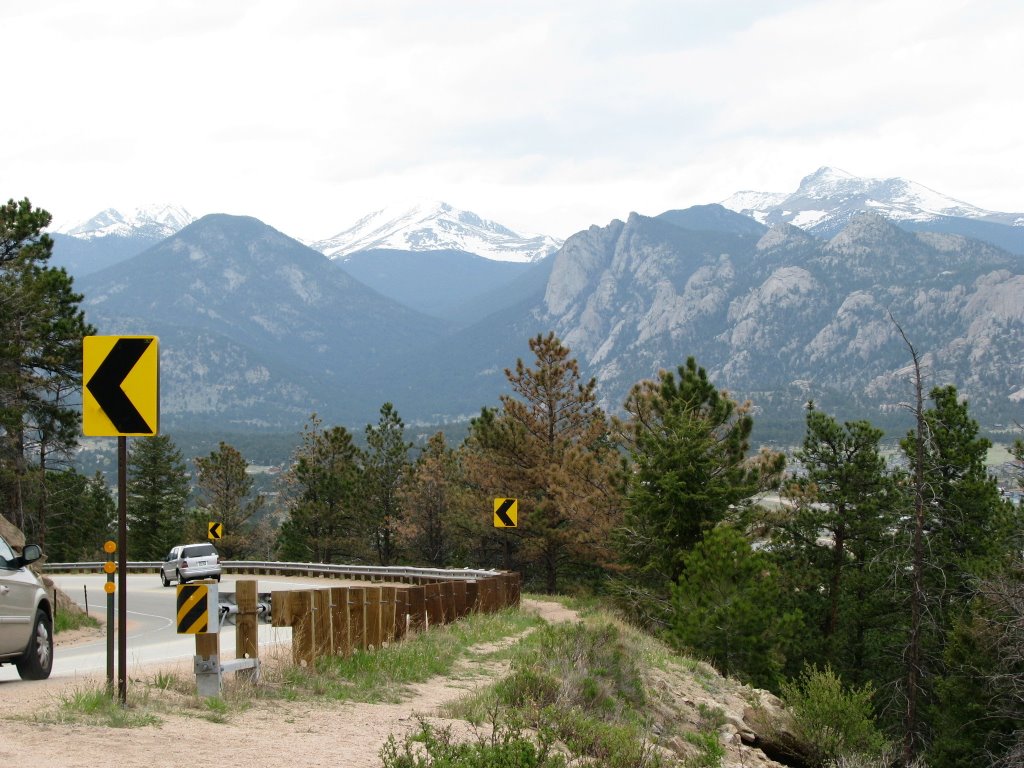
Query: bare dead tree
[912, 736]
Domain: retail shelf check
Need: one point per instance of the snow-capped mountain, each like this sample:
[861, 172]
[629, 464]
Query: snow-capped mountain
[154, 222]
[829, 198]
[437, 227]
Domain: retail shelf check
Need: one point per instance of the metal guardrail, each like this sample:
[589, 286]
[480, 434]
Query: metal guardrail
[291, 569]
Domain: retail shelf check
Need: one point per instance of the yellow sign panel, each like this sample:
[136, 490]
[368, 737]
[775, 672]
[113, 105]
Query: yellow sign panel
[506, 513]
[215, 531]
[121, 386]
[193, 609]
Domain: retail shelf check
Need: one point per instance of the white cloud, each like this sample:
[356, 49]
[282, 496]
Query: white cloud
[545, 116]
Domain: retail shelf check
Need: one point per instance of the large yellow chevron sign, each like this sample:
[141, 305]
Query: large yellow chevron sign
[121, 396]
[197, 609]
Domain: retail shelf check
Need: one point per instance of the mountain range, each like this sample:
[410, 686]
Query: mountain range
[780, 304]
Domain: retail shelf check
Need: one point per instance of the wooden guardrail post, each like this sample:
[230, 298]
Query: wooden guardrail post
[340, 641]
[247, 639]
[472, 596]
[501, 596]
[432, 594]
[417, 597]
[401, 612]
[459, 594]
[372, 617]
[300, 605]
[490, 594]
[357, 617]
[387, 615]
[322, 637]
[447, 602]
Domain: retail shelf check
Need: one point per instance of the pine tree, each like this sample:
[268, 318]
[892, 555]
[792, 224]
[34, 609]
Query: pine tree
[322, 493]
[226, 496]
[549, 446]
[688, 445]
[387, 463]
[438, 507]
[845, 504]
[41, 331]
[82, 515]
[157, 495]
[727, 606]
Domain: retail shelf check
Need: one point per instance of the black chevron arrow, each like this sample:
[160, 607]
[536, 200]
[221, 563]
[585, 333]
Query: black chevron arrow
[502, 513]
[105, 386]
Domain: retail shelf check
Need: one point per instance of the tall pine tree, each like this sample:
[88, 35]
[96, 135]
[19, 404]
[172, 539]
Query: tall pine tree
[549, 446]
[323, 498]
[158, 491]
[387, 464]
[225, 495]
[688, 446]
[41, 331]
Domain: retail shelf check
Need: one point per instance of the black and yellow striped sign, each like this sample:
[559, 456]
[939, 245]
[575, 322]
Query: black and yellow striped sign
[193, 609]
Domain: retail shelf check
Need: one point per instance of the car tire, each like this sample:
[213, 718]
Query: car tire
[178, 575]
[37, 661]
[164, 579]
[217, 578]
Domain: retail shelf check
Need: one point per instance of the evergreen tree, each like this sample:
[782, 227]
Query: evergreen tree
[322, 493]
[41, 331]
[963, 532]
[844, 513]
[157, 495]
[688, 444]
[226, 496]
[549, 446]
[438, 507]
[82, 515]
[727, 607]
[387, 462]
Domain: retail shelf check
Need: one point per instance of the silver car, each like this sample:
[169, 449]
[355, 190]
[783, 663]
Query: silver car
[190, 561]
[26, 617]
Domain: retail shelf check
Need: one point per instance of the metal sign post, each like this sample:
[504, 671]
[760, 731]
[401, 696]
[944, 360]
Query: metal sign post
[122, 570]
[121, 397]
[110, 567]
[506, 515]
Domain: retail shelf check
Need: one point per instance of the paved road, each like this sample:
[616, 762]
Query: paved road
[152, 634]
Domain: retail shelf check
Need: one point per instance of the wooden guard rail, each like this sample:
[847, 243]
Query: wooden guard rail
[335, 621]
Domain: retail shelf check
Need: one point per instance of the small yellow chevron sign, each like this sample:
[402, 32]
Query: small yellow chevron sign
[215, 531]
[506, 513]
[194, 609]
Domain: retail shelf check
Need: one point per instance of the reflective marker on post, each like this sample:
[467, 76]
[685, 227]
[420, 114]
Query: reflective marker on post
[110, 568]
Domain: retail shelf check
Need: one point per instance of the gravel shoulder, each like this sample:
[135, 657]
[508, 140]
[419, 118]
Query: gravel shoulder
[268, 733]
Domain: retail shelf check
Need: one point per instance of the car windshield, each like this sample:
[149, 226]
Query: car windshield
[199, 550]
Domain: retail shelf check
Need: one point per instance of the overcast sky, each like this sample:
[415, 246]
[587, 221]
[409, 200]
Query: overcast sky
[544, 116]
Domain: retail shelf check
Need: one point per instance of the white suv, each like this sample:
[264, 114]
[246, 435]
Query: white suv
[26, 618]
[188, 562]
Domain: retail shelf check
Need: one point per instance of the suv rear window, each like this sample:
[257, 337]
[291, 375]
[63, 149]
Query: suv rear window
[199, 550]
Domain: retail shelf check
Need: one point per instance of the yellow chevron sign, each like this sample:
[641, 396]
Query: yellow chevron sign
[506, 513]
[197, 609]
[121, 386]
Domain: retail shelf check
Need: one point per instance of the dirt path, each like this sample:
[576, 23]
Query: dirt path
[271, 734]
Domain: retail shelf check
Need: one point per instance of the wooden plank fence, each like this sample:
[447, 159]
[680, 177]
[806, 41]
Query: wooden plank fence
[335, 621]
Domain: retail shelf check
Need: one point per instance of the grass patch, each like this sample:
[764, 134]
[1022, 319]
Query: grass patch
[580, 682]
[67, 620]
[95, 706]
[384, 676]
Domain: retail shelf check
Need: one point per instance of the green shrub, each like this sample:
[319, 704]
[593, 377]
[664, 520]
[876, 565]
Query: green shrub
[507, 747]
[830, 721]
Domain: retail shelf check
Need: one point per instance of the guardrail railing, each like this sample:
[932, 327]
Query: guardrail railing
[255, 567]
